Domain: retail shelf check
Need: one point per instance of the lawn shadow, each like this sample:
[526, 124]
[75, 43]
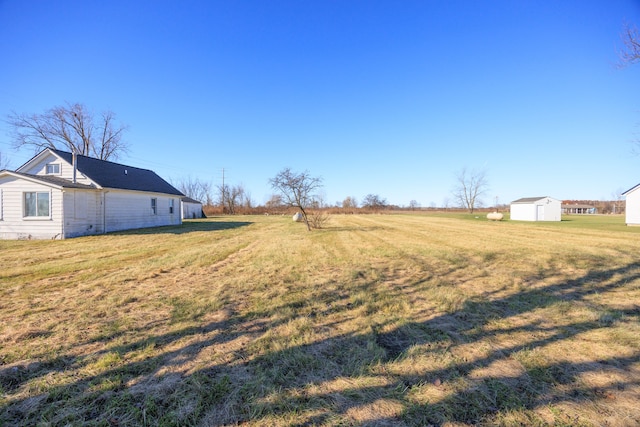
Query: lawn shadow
[188, 226]
[246, 385]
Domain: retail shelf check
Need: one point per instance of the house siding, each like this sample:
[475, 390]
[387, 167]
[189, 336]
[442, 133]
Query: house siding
[130, 209]
[83, 215]
[15, 226]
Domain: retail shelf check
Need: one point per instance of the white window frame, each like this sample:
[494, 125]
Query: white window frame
[172, 204]
[1, 205]
[154, 206]
[36, 217]
[53, 166]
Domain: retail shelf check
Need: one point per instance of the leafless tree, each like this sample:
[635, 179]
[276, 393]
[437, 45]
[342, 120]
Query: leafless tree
[631, 53]
[374, 201]
[195, 188]
[70, 127]
[232, 198]
[470, 186]
[349, 203]
[297, 190]
[4, 161]
[274, 202]
[413, 205]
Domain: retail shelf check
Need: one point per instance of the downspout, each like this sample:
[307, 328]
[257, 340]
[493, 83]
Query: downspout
[104, 212]
[62, 236]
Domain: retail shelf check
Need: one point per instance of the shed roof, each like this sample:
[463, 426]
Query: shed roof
[529, 199]
[188, 199]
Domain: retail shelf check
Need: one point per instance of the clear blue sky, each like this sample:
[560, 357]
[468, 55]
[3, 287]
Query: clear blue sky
[383, 97]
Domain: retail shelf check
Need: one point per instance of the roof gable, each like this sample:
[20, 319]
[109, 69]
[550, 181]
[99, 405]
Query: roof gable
[118, 176]
[631, 189]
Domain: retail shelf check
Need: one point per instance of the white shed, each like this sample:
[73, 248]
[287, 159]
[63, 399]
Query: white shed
[632, 214]
[536, 209]
[191, 208]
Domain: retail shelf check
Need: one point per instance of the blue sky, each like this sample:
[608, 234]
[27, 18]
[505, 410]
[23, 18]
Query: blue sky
[384, 97]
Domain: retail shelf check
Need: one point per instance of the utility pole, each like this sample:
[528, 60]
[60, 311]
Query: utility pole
[223, 191]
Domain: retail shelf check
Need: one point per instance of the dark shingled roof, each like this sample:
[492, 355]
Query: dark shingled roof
[65, 183]
[114, 175]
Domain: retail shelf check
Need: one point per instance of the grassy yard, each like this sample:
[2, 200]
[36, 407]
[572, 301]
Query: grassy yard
[376, 320]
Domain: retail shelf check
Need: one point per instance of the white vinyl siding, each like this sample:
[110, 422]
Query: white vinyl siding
[1, 204]
[632, 212]
[15, 225]
[131, 209]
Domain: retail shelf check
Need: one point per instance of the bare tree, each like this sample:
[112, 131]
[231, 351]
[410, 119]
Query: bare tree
[349, 203]
[413, 205]
[470, 186]
[297, 190]
[4, 161]
[232, 198]
[195, 188]
[71, 127]
[274, 202]
[631, 53]
[374, 201]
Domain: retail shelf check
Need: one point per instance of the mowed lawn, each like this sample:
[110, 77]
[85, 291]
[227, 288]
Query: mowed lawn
[397, 320]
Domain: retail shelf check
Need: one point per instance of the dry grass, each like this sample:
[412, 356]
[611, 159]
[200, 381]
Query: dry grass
[373, 320]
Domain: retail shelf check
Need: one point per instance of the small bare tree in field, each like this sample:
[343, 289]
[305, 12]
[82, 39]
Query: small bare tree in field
[297, 190]
[470, 186]
[71, 127]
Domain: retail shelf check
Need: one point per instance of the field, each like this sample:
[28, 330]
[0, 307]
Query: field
[397, 320]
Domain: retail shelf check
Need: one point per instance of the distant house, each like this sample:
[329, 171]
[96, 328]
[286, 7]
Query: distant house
[536, 209]
[578, 208]
[191, 208]
[57, 195]
[632, 213]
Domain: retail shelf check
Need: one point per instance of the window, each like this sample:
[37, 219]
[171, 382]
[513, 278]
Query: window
[154, 206]
[36, 204]
[53, 169]
[171, 201]
[1, 204]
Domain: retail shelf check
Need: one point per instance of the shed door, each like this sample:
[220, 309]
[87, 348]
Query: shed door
[540, 215]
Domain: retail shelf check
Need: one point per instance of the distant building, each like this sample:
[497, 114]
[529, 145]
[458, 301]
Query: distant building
[536, 209]
[191, 208]
[578, 209]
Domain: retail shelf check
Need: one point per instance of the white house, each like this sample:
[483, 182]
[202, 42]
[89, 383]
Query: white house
[57, 195]
[536, 209]
[632, 212]
[191, 208]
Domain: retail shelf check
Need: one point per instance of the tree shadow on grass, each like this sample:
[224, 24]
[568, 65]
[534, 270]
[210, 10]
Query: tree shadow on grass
[324, 382]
